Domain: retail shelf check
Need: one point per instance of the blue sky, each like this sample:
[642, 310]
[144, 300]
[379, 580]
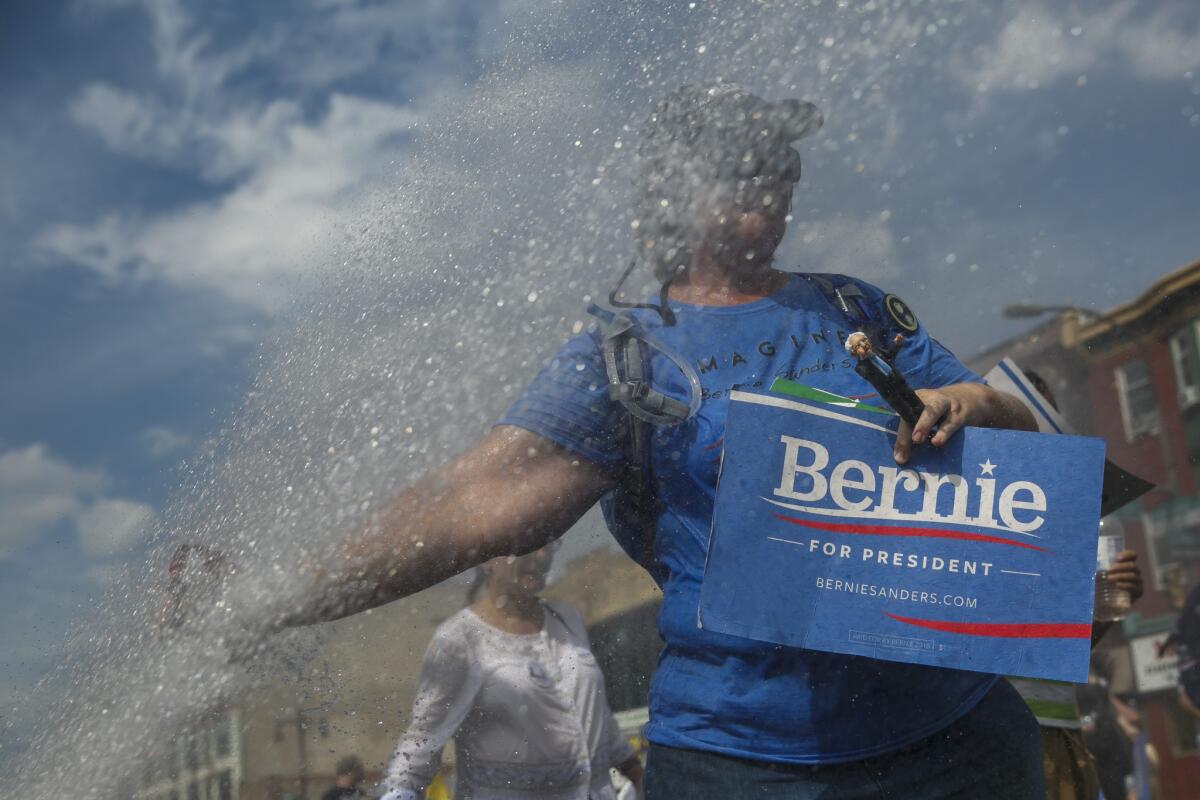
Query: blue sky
[175, 175]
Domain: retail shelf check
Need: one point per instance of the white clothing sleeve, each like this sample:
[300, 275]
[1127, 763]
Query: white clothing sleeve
[445, 695]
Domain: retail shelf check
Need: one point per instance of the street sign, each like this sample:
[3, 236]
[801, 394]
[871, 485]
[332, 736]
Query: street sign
[1151, 673]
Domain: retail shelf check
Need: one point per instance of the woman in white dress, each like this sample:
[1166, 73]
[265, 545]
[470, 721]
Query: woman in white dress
[512, 679]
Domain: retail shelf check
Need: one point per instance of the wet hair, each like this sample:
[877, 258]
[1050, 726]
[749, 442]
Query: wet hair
[696, 147]
[1043, 388]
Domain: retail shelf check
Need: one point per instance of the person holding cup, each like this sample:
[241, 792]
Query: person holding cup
[1070, 771]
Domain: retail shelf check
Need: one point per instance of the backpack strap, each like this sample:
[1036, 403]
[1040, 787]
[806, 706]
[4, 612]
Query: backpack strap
[627, 349]
[627, 362]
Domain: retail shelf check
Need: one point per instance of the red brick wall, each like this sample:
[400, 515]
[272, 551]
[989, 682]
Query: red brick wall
[1147, 455]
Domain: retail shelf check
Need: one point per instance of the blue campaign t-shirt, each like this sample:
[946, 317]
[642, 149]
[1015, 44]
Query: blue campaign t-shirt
[725, 693]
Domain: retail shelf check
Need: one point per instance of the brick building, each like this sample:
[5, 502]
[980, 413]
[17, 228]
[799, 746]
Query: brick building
[1131, 375]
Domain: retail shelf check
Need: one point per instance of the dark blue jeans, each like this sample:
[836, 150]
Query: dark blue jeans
[993, 752]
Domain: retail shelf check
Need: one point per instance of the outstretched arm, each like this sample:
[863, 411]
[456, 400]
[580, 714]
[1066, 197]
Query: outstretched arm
[512, 493]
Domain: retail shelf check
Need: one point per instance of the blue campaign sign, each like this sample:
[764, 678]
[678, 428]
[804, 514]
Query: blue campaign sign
[978, 555]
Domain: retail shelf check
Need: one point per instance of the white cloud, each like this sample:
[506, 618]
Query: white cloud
[1041, 46]
[39, 493]
[43, 495]
[112, 526]
[123, 121]
[865, 248]
[280, 170]
[161, 442]
[255, 241]
[1160, 47]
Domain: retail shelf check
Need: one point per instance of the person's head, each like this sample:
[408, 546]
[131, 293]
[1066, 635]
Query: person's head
[1043, 388]
[518, 575]
[350, 771]
[715, 172]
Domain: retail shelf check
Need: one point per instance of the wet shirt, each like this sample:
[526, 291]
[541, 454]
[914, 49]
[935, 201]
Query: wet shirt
[724, 693]
[528, 714]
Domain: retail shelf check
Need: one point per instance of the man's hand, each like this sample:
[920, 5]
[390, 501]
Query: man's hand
[952, 407]
[1124, 574]
[194, 575]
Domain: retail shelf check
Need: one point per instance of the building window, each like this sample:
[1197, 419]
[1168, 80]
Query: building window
[1187, 366]
[1139, 410]
[225, 785]
[223, 736]
[192, 754]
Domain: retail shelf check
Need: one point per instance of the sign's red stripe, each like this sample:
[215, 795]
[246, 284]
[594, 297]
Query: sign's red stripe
[1004, 630]
[896, 530]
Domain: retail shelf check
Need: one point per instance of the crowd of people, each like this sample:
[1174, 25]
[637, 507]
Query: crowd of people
[619, 417]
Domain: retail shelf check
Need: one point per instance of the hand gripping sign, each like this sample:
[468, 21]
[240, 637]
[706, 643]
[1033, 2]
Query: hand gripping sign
[977, 555]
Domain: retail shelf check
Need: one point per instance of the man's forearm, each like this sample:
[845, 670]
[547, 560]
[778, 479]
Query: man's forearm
[423, 538]
[381, 562]
[511, 494]
[994, 409]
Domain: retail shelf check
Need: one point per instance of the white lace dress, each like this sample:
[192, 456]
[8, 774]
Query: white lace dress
[527, 712]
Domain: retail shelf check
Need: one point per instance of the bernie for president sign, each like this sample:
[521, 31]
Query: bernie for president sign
[977, 555]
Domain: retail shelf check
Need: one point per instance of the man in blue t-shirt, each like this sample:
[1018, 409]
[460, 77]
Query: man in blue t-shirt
[729, 717]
